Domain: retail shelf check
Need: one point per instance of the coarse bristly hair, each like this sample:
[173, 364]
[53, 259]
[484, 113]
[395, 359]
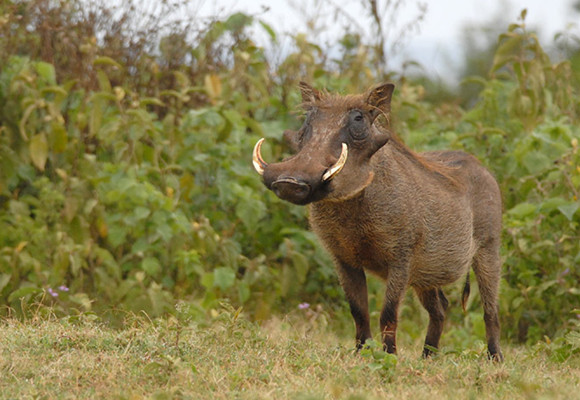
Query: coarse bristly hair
[342, 103]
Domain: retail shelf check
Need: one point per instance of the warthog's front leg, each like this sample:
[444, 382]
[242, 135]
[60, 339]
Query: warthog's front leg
[354, 284]
[396, 285]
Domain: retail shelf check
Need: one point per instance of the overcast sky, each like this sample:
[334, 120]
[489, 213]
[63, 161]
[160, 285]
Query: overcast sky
[437, 45]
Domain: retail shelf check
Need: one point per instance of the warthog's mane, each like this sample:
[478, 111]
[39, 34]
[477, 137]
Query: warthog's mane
[440, 170]
[342, 103]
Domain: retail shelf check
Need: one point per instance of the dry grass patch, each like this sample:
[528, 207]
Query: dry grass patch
[231, 357]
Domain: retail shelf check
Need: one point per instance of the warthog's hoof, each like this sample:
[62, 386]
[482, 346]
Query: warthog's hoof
[495, 357]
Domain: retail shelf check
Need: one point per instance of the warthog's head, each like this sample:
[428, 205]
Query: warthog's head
[334, 147]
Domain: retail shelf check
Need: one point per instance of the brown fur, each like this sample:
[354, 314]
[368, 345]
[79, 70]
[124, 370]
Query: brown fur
[418, 220]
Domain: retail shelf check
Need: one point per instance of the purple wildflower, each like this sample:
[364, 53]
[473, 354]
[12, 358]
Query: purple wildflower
[52, 292]
[63, 288]
[303, 306]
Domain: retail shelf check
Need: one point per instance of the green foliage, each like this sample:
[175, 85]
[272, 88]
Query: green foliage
[118, 203]
[562, 348]
[126, 179]
[379, 360]
[133, 201]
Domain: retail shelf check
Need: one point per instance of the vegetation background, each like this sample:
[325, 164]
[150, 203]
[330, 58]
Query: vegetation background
[126, 183]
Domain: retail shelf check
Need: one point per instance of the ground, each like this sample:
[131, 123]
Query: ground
[230, 357]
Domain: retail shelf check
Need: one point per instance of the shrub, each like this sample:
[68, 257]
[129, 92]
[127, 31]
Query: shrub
[126, 181]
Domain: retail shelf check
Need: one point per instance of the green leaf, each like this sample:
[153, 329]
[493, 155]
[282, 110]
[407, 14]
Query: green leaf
[23, 292]
[224, 277]
[104, 82]
[244, 292]
[151, 266]
[545, 285]
[83, 300]
[254, 126]
[58, 137]
[505, 51]
[56, 90]
[379, 354]
[523, 210]
[71, 206]
[96, 115]
[474, 79]
[151, 100]
[117, 235]
[269, 30]
[22, 123]
[286, 280]
[207, 280]
[250, 211]
[4, 279]
[39, 150]
[46, 71]
[536, 162]
[103, 60]
[573, 338]
[569, 209]
[141, 212]
[238, 21]
[300, 262]
[551, 204]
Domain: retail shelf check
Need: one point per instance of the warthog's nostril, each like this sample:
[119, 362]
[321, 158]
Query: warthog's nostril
[291, 190]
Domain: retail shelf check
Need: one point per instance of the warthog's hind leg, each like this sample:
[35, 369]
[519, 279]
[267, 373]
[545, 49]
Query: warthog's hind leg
[436, 304]
[487, 268]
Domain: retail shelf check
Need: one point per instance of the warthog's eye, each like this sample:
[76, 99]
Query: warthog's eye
[355, 116]
[356, 125]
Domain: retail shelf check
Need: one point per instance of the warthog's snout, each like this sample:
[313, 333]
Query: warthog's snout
[291, 189]
[297, 180]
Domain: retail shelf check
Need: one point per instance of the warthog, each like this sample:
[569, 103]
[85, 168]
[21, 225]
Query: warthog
[418, 220]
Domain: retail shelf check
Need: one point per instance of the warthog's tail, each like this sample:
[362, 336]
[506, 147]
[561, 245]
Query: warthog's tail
[465, 295]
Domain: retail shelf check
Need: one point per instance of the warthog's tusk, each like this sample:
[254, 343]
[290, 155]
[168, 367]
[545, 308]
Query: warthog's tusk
[335, 169]
[259, 163]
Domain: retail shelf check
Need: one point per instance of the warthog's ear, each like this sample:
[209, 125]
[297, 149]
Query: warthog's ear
[309, 94]
[379, 99]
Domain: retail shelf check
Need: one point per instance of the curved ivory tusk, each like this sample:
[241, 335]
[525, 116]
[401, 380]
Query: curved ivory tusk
[335, 169]
[259, 163]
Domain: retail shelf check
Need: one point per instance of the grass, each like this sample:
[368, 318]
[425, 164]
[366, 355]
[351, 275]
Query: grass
[231, 357]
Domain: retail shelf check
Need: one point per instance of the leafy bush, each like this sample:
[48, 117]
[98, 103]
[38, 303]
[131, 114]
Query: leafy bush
[126, 181]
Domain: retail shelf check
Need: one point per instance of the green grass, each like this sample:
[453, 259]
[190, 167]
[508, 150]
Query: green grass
[230, 357]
